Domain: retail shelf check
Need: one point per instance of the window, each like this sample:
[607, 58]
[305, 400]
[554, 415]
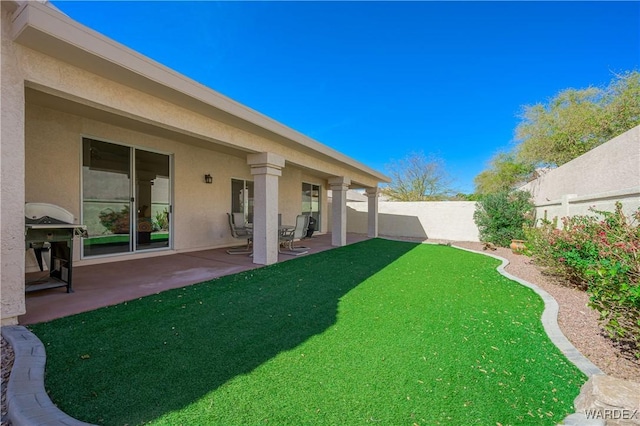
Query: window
[311, 202]
[242, 198]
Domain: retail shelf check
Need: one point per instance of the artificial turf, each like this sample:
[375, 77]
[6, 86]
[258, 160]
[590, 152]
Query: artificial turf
[381, 332]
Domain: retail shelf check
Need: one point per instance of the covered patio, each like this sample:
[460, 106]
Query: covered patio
[150, 162]
[106, 284]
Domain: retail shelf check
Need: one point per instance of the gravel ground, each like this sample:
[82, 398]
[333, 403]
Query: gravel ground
[577, 321]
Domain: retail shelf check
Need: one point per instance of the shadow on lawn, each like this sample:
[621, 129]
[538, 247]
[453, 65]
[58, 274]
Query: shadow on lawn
[133, 362]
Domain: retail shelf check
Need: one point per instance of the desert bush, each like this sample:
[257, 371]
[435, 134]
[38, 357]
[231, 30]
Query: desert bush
[501, 216]
[599, 254]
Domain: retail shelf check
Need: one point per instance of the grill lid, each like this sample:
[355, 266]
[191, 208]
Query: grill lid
[44, 220]
[44, 213]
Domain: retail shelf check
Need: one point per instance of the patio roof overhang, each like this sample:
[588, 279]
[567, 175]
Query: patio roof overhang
[45, 29]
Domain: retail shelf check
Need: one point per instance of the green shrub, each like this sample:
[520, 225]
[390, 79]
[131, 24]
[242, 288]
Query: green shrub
[600, 254]
[501, 216]
[161, 221]
[115, 222]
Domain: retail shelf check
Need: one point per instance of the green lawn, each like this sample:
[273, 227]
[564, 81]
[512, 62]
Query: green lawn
[380, 332]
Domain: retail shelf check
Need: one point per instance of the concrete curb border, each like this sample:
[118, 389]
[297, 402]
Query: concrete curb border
[27, 401]
[549, 319]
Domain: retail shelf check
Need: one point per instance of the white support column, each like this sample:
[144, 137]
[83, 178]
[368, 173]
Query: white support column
[12, 177]
[372, 209]
[266, 168]
[339, 186]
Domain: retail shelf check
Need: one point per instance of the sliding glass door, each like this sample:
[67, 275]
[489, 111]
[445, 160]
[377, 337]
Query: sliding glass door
[242, 198]
[152, 200]
[126, 198]
[311, 202]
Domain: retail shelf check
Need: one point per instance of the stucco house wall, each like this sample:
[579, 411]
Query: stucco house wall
[62, 81]
[11, 174]
[53, 156]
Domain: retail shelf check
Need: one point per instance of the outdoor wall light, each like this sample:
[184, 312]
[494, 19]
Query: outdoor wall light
[208, 178]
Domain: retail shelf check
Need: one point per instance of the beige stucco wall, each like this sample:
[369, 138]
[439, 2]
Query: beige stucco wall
[436, 220]
[53, 165]
[589, 205]
[52, 76]
[11, 180]
[41, 159]
[54, 139]
[595, 180]
[612, 166]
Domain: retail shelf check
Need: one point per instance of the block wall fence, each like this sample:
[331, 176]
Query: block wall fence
[596, 180]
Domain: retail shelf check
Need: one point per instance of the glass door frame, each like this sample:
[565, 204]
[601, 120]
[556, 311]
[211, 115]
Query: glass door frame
[248, 198]
[311, 212]
[132, 203]
[144, 223]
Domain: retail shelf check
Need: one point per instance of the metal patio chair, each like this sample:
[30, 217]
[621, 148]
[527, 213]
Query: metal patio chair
[241, 232]
[289, 236]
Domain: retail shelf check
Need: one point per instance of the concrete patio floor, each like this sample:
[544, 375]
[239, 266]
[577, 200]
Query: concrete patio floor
[108, 284]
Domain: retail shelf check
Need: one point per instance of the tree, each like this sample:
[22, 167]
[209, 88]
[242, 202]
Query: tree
[576, 121]
[562, 130]
[505, 173]
[418, 178]
[570, 124]
[622, 110]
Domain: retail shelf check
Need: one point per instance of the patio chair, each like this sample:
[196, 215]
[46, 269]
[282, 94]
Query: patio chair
[238, 220]
[288, 237]
[240, 233]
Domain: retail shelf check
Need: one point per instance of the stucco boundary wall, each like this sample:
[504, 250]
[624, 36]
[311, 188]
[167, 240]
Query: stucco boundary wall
[597, 179]
[572, 205]
[436, 220]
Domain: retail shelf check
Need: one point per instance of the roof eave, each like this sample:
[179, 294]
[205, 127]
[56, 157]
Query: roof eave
[47, 30]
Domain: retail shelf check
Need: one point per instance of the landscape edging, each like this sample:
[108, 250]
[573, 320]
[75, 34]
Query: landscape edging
[28, 403]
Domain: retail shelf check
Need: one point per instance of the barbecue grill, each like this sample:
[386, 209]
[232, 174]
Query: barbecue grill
[49, 231]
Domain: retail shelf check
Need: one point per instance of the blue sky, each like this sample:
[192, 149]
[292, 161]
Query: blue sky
[380, 80]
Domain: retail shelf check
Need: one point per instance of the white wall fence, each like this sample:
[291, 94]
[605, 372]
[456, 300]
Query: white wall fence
[572, 204]
[595, 180]
[436, 220]
[453, 220]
